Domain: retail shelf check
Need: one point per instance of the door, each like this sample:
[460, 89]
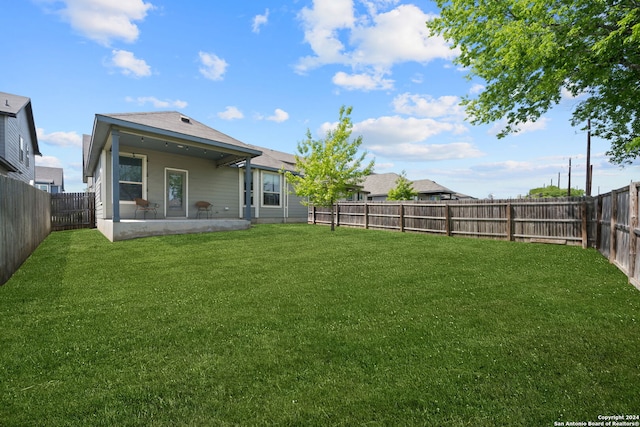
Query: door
[176, 199]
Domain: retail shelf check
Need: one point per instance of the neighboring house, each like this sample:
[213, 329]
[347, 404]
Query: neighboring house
[49, 179]
[174, 161]
[18, 139]
[376, 187]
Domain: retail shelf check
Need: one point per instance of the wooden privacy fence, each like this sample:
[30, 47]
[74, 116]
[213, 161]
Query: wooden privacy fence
[553, 220]
[25, 221]
[71, 211]
[607, 222]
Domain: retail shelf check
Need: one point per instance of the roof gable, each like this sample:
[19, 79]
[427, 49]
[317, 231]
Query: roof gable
[174, 121]
[11, 105]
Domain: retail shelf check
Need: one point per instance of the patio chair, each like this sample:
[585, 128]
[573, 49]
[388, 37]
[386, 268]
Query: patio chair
[203, 207]
[145, 206]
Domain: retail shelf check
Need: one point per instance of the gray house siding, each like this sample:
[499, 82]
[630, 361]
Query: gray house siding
[290, 208]
[12, 130]
[217, 185]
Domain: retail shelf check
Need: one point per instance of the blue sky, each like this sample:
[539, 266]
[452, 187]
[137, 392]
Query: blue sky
[266, 71]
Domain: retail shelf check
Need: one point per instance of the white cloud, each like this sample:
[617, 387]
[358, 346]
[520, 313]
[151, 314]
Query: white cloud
[540, 124]
[48, 161]
[363, 82]
[476, 89]
[397, 36]
[279, 116]
[157, 103]
[60, 139]
[370, 40]
[104, 20]
[415, 152]
[212, 67]
[231, 113]
[427, 106]
[129, 64]
[259, 21]
[391, 130]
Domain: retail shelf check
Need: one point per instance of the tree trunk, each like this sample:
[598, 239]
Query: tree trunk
[332, 218]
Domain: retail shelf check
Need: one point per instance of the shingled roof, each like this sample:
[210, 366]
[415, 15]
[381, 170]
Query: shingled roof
[379, 185]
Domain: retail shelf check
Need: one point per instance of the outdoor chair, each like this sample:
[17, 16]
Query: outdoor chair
[145, 206]
[203, 208]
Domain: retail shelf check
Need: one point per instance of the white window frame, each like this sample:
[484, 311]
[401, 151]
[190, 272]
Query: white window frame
[21, 148]
[262, 192]
[144, 176]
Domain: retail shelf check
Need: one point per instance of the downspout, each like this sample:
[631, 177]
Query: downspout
[115, 174]
[248, 176]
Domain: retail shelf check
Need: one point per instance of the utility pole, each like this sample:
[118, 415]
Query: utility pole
[558, 180]
[589, 169]
[569, 185]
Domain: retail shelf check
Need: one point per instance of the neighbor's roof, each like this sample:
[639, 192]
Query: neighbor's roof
[426, 186]
[11, 105]
[50, 175]
[381, 184]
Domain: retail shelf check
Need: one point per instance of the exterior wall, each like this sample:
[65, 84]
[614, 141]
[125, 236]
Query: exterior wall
[3, 137]
[14, 128]
[290, 209]
[217, 185]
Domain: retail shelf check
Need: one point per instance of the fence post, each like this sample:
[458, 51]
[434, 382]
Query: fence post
[313, 212]
[447, 219]
[633, 225]
[612, 230]
[402, 217]
[509, 222]
[585, 229]
[366, 216]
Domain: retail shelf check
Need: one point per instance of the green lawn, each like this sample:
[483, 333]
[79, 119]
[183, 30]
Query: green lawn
[295, 325]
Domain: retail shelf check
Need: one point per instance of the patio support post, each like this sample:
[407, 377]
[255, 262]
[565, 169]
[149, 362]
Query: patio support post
[248, 176]
[115, 174]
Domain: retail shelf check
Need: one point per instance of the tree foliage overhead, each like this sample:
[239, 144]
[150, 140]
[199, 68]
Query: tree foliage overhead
[403, 189]
[329, 169]
[529, 51]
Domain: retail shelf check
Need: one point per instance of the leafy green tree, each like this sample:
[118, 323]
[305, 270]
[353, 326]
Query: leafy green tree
[528, 52]
[403, 189]
[553, 191]
[329, 168]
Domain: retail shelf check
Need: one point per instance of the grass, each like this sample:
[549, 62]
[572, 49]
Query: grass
[295, 325]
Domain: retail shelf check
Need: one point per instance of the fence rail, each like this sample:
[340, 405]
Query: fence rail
[25, 221]
[70, 211]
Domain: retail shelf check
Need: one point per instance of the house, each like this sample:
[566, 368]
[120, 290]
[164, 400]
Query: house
[49, 179]
[174, 161]
[18, 139]
[277, 202]
[376, 187]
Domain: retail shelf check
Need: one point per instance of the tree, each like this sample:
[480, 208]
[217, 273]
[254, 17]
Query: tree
[328, 169]
[553, 191]
[529, 52]
[403, 190]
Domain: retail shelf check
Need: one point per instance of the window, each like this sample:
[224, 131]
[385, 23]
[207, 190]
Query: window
[43, 187]
[270, 189]
[132, 177]
[21, 148]
[27, 155]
